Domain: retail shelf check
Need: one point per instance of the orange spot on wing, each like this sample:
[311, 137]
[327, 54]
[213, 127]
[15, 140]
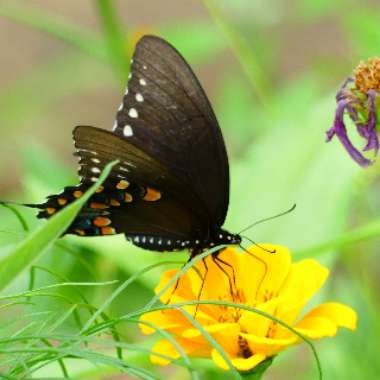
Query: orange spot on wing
[122, 185]
[151, 195]
[128, 197]
[99, 189]
[77, 193]
[114, 202]
[62, 201]
[101, 221]
[80, 232]
[97, 205]
[108, 231]
[50, 210]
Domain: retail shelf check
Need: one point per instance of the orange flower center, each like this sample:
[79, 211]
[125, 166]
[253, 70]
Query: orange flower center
[367, 75]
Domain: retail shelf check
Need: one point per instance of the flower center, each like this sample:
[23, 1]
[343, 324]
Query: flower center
[367, 75]
[244, 350]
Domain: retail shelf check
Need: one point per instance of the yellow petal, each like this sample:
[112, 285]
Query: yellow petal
[241, 364]
[164, 347]
[170, 320]
[183, 290]
[261, 273]
[254, 323]
[268, 346]
[226, 334]
[341, 315]
[316, 327]
[304, 279]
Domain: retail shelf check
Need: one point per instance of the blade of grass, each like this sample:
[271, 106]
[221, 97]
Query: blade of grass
[244, 54]
[363, 233]
[58, 27]
[42, 238]
[115, 39]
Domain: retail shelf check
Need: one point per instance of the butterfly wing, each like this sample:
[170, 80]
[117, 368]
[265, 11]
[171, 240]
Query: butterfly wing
[140, 198]
[166, 113]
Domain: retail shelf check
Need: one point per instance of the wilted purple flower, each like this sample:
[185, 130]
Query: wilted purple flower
[357, 98]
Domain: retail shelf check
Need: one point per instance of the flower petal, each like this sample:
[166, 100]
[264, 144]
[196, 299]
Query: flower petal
[261, 273]
[241, 364]
[170, 320]
[226, 334]
[268, 346]
[339, 129]
[183, 289]
[164, 347]
[305, 278]
[256, 324]
[316, 327]
[339, 314]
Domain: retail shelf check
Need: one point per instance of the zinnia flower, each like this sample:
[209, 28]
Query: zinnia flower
[358, 98]
[270, 283]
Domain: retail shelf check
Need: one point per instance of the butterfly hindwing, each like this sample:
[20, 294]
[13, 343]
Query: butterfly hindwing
[152, 200]
[166, 113]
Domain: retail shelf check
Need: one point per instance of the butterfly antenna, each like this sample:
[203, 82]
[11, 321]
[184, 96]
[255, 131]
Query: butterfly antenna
[270, 218]
[258, 245]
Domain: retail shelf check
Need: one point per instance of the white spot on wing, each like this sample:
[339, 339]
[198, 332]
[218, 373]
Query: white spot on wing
[123, 169]
[95, 170]
[142, 82]
[127, 131]
[95, 160]
[139, 97]
[114, 126]
[94, 179]
[136, 239]
[120, 107]
[126, 91]
[144, 67]
[129, 75]
[133, 113]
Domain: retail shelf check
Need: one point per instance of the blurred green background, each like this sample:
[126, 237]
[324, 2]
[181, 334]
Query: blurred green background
[271, 69]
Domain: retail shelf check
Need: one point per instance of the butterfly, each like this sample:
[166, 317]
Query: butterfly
[170, 187]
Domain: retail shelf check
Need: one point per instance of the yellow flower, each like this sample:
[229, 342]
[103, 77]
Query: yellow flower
[270, 283]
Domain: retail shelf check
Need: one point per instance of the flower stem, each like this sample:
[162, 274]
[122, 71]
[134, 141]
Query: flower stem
[258, 371]
[363, 233]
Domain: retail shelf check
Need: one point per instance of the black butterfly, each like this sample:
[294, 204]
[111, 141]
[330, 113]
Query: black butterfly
[170, 189]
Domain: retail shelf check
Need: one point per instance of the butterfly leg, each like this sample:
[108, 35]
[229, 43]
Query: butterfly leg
[218, 262]
[202, 285]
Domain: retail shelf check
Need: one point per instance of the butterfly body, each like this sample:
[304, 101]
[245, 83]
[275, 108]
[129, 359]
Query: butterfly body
[170, 188]
[160, 243]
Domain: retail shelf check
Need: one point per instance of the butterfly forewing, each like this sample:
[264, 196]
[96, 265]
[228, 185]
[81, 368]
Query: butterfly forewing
[166, 113]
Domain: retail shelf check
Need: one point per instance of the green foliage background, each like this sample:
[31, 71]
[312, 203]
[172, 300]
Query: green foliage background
[271, 69]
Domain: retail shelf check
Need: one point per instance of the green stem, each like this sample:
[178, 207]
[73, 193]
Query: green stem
[244, 54]
[363, 233]
[258, 372]
[115, 39]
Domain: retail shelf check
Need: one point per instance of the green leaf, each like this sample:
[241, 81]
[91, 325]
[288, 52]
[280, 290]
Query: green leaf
[42, 238]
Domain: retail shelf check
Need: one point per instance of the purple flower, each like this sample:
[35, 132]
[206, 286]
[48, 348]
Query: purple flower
[357, 98]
